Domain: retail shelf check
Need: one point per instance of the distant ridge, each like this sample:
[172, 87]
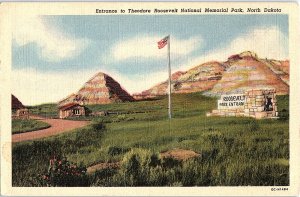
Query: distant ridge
[238, 73]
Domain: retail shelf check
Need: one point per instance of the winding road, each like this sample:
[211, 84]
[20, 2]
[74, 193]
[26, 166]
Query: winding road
[57, 126]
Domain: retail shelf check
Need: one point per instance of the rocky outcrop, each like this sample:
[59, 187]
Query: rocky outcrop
[15, 103]
[250, 72]
[238, 73]
[200, 78]
[100, 89]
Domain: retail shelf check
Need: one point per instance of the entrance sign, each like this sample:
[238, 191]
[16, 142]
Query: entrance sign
[233, 101]
[255, 103]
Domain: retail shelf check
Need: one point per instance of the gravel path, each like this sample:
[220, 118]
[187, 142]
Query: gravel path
[57, 126]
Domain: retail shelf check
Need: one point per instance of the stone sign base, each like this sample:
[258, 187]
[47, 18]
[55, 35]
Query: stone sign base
[226, 112]
[259, 104]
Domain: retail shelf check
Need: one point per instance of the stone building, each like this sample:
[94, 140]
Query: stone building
[261, 104]
[72, 110]
[256, 103]
[22, 113]
[19, 111]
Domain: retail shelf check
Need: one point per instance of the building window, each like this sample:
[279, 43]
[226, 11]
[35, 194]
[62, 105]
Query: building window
[76, 112]
[268, 104]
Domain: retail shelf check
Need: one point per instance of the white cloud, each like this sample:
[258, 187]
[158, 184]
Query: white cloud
[267, 42]
[54, 44]
[146, 47]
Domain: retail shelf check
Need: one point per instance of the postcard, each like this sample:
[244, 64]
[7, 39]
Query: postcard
[150, 99]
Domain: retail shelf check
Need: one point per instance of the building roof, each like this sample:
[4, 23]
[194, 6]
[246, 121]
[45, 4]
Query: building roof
[68, 106]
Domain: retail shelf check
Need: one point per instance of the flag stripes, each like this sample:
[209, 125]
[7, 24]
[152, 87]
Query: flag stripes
[162, 43]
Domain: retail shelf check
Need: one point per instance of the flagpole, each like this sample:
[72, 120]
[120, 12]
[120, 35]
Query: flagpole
[169, 67]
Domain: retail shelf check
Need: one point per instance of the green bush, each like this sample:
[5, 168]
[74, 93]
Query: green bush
[157, 176]
[104, 177]
[135, 167]
[169, 162]
[62, 173]
[115, 150]
[283, 107]
[190, 172]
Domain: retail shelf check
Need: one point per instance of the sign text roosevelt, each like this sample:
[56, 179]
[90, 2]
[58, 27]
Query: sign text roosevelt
[231, 101]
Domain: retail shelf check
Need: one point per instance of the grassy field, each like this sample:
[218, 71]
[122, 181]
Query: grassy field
[46, 110]
[21, 126]
[234, 151]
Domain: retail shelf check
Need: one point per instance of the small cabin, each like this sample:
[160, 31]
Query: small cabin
[19, 111]
[71, 110]
[23, 113]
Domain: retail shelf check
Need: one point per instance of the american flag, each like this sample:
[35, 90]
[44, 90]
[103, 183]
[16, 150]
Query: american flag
[162, 43]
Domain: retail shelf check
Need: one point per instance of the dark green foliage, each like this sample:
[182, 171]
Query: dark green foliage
[28, 161]
[283, 107]
[135, 167]
[170, 162]
[115, 150]
[103, 177]
[62, 173]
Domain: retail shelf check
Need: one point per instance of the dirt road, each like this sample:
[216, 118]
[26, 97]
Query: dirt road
[57, 126]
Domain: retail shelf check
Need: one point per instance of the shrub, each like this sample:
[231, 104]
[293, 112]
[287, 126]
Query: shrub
[157, 176]
[64, 174]
[210, 155]
[136, 166]
[189, 172]
[169, 162]
[115, 150]
[173, 175]
[104, 177]
[284, 114]
[204, 177]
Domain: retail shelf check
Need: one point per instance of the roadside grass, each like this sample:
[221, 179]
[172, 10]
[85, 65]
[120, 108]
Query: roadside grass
[234, 151]
[26, 125]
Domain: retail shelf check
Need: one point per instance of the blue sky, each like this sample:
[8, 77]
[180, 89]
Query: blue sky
[73, 48]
